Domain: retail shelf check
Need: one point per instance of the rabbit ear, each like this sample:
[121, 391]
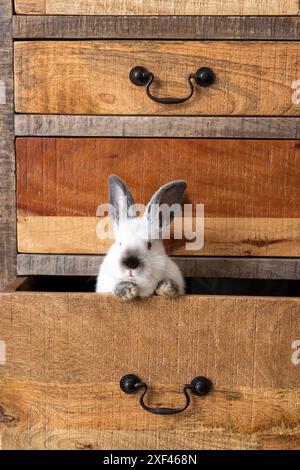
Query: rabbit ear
[120, 200]
[158, 210]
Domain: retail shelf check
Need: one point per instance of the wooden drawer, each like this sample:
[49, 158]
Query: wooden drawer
[92, 77]
[157, 7]
[62, 356]
[248, 188]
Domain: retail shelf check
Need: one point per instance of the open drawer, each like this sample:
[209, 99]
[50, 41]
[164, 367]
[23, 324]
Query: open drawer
[63, 355]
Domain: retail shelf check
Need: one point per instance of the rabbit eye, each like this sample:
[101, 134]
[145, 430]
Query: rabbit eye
[120, 243]
[149, 245]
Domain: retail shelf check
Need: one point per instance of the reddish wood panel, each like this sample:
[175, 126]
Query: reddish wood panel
[232, 178]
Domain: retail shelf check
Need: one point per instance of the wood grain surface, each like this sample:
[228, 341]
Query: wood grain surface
[91, 77]
[248, 189]
[65, 355]
[223, 236]
[157, 126]
[156, 27]
[232, 178]
[7, 151]
[198, 266]
[158, 7]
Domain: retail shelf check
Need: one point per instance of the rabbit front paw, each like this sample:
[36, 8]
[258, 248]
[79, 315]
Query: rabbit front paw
[167, 288]
[127, 290]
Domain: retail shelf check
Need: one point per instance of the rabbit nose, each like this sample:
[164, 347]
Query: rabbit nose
[131, 262]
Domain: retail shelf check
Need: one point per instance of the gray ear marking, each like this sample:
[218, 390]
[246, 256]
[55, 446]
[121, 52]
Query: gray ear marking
[170, 193]
[120, 199]
[167, 195]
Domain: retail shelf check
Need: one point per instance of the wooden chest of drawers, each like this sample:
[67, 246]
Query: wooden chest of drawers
[71, 114]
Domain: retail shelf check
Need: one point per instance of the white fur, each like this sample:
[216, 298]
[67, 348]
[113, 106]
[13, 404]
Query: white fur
[132, 234]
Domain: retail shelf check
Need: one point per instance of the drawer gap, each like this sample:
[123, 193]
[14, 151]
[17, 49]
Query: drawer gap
[194, 286]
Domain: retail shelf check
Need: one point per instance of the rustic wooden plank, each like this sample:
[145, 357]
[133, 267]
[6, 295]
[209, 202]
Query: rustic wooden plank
[30, 6]
[7, 159]
[58, 265]
[60, 235]
[63, 391]
[91, 77]
[69, 177]
[240, 236]
[61, 183]
[156, 27]
[156, 126]
[157, 7]
[83, 439]
[231, 267]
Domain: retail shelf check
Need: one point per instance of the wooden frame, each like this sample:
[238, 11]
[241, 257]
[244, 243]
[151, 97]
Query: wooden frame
[7, 155]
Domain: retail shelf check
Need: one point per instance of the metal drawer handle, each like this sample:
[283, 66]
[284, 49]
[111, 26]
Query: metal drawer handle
[140, 76]
[199, 386]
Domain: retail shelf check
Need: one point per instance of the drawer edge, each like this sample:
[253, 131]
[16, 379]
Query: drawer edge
[157, 126]
[156, 27]
[233, 267]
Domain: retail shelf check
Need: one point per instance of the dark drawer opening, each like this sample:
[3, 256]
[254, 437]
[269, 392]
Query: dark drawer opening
[194, 286]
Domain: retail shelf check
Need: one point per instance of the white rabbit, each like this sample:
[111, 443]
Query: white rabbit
[137, 264]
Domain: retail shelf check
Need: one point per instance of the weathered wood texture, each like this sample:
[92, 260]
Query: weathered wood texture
[91, 77]
[158, 7]
[7, 160]
[223, 236]
[65, 355]
[232, 178]
[157, 126]
[244, 268]
[156, 27]
[248, 189]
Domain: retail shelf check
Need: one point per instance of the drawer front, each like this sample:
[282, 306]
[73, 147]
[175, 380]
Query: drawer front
[157, 7]
[248, 188]
[92, 77]
[65, 354]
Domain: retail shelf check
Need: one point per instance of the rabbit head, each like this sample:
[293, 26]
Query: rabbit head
[138, 249]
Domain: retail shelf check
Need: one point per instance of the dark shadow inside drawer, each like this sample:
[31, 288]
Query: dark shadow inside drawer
[194, 286]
